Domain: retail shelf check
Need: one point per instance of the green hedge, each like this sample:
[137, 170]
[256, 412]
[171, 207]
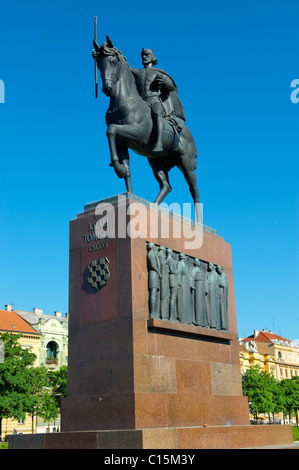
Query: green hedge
[295, 431]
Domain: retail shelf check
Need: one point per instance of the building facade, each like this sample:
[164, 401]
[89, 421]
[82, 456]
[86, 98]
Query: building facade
[53, 347]
[250, 356]
[47, 336]
[276, 355]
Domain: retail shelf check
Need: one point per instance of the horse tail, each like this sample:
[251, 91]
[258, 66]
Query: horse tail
[195, 158]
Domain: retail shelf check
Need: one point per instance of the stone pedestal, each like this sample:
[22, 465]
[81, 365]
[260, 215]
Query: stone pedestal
[127, 371]
[140, 382]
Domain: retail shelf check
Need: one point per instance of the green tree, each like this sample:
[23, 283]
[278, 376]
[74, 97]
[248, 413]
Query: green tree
[278, 398]
[267, 395]
[39, 389]
[15, 379]
[290, 388]
[296, 404]
[258, 387]
[48, 410]
[58, 379]
[55, 392]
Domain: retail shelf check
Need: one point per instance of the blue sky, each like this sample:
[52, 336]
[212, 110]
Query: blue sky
[233, 63]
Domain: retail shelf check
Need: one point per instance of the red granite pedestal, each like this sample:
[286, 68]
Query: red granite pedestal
[136, 382]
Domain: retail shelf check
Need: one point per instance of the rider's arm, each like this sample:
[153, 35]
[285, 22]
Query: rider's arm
[166, 82]
[134, 71]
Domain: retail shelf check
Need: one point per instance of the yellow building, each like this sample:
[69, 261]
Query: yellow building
[11, 322]
[250, 355]
[274, 354]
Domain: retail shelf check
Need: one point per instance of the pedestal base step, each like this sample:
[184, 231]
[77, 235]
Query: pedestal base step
[213, 437]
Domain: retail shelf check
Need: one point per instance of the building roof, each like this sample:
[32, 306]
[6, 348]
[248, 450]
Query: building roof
[269, 337]
[34, 317]
[266, 337]
[12, 322]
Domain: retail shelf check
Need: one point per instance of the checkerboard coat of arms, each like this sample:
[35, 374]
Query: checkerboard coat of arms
[98, 273]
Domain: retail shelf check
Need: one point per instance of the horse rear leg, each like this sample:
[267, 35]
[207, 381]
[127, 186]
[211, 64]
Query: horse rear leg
[187, 168]
[161, 175]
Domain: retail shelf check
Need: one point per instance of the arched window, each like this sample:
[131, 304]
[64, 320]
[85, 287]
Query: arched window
[52, 350]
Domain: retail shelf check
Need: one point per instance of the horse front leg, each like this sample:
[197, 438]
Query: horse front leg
[119, 156]
[117, 135]
[120, 168]
[123, 152]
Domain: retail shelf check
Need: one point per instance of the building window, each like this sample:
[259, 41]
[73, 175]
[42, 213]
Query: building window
[52, 352]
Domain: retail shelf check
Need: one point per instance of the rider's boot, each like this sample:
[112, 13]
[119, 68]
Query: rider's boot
[160, 128]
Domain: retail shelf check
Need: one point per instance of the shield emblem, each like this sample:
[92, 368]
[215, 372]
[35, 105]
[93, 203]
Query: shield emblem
[98, 273]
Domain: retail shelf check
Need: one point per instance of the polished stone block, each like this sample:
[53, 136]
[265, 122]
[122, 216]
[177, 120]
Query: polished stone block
[179, 438]
[164, 374]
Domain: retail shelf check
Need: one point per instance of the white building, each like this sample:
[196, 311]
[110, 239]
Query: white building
[53, 350]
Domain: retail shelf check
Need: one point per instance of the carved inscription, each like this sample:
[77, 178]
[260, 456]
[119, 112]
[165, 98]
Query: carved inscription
[97, 231]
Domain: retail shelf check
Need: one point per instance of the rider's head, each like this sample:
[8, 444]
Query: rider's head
[148, 57]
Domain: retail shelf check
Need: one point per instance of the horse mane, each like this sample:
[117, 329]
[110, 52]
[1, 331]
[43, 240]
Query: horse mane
[106, 50]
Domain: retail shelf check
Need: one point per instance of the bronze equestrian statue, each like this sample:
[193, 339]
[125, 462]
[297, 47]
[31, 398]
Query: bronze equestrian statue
[145, 115]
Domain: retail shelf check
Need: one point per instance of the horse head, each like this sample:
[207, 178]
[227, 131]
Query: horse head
[109, 61]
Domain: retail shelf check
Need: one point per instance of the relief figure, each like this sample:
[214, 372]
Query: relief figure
[173, 285]
[198, 274]
[223, 294]
[213, 297]
[154, 276]
[184, 292]
[164, 284]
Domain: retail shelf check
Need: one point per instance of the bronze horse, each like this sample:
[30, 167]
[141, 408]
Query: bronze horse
[130, 125]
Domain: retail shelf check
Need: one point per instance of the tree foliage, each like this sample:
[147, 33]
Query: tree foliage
[290, 390]
[15, 379]
[268, 395]
[257, 387]
[40, 392]
[58, 380]
[25, 389]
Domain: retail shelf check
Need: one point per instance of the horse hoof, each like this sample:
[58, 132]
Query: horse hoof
[157, 149]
